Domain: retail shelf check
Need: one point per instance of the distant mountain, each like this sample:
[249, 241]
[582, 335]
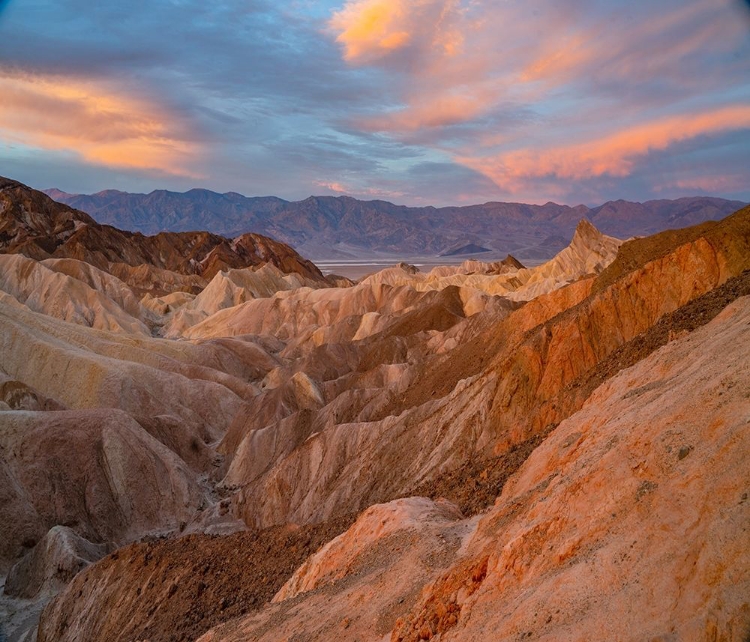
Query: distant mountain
[329, 227]
[33, 224]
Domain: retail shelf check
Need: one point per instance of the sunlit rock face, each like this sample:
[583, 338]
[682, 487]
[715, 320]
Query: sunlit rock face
[629, 521]
[482, 450]
[530, 369]
[589, 253]
[88, 296]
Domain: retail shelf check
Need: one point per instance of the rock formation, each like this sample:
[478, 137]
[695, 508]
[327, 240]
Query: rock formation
[480, 451]
[33, 224]
[613, 528]
[73, 291]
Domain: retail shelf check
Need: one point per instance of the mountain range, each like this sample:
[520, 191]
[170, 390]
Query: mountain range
[34, 225]
[328, 227]
[237, 448]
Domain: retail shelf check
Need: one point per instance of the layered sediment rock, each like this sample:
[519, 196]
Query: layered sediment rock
[589, 253]
[91, 297]
[628, 522]
[289, 406]
[526, 383]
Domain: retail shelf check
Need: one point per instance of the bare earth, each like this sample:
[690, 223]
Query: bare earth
[207, 438]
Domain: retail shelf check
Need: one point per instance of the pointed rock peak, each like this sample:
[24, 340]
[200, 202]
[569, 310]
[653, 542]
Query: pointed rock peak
[590, 250]
[587, 235]
[586, 227]
[513, 262]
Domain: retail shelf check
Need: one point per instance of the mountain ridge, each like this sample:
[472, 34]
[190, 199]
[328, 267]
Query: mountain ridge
[33, 224]
[326, 226]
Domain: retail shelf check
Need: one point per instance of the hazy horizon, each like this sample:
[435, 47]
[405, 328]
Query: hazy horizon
[393, 202]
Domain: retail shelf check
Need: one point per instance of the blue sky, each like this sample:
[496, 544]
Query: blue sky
[413, 101]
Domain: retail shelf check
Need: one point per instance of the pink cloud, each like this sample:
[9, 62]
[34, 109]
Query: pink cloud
[439, 111]
[521, 56]
[101, 124]
[611, 155]
[445, 83]
[366, 192]
[332, 186]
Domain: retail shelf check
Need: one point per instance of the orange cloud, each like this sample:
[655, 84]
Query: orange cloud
[613, 155]
[370, 29]
[573, 50]
[560, 57]
[524, 69]
[439, 111]
[101, 125]
[448, 82]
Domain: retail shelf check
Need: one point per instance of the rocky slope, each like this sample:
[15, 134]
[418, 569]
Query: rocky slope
[588, 253]
[629, 522]
[218, 460]
[325, 227]
[190, 584]
[499, 385]
[33, 224]
[73, 291]
[230, 305]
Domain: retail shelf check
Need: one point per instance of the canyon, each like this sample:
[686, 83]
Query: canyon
[206, 438]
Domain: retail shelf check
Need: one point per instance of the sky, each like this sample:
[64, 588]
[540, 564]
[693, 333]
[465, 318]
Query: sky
[412, 101]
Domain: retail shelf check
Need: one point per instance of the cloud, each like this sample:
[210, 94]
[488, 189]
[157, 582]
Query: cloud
[337, 188]
[543, 97]
[439, 112]
[608, 47]
[710, 184]
[369, 30]
[422, 45]
[340, 189]
[520, 53]
[391, 96]
[257, 88]
[102, 125]
[613, 155]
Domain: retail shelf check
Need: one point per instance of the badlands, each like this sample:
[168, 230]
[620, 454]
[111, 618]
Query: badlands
[205, 438]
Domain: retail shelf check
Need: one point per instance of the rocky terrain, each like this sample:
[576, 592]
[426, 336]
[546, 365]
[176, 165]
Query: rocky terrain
[325, 227]
[237, 448]
[34, 225]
